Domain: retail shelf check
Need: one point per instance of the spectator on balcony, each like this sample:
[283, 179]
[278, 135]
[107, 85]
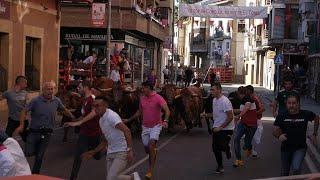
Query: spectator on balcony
[157, 14]
[91, 59]
[149, 12]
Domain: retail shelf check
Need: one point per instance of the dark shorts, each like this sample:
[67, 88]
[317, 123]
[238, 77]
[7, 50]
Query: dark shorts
[13, 125]
[221, 140]
[166, 77]
[179, 78]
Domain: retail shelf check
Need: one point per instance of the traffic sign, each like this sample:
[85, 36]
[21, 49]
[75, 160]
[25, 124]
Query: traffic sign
[278, 59]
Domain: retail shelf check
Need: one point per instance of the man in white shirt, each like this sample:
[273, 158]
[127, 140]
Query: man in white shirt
[223, 125]
[12, 159]
[117, 139]
[115, 75]
[166, 73]
[91, 59]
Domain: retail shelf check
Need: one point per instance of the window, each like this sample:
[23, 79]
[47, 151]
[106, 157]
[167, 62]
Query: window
[247, 69]
[4, 61]
[220, 24]
[227, 45]
[241, 26]
[229, 26]
[32, 62]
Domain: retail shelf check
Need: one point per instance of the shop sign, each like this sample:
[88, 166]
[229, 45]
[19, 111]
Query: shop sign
[271, 54]
[98, 14]
[4, 9]
[88, 37]
[131, 40]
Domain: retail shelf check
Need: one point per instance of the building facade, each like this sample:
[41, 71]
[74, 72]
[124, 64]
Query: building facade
[29, 43]
[131, 28]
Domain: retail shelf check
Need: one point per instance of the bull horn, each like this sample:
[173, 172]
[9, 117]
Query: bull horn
[177, 96]
[105, 90]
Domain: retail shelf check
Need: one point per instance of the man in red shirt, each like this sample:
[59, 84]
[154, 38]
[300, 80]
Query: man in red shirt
[151, 105]
[247, 125]
[90, 133]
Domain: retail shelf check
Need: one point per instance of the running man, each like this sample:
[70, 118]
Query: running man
[291, 129]
[151, 105]
[16, 99]
[279, 105]
[90, 133]
[43, 112]
[223, 125]
[260, 110]
[247, 126]
[117, 139]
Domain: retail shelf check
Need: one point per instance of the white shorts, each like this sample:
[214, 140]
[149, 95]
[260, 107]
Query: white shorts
[150, 134]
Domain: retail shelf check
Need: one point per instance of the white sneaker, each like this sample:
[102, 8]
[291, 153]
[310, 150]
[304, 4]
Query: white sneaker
[136, 176]
[254, 153]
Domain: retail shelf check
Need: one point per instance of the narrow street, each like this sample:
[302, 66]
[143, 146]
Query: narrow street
[181, 156]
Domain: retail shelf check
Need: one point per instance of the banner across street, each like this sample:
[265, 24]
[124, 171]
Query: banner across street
[234, 12]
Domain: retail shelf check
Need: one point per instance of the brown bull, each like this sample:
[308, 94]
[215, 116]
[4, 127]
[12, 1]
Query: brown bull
[107, 88]
[186, 103]
[169, 92]
[73, 102]
[129, 105]
[121, 100]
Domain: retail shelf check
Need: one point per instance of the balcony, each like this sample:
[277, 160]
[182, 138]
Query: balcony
[123, 16]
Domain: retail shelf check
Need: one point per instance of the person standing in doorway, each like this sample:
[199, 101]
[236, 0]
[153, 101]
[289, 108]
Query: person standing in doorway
[166, 73]
[16, 99]
[43, 112]
[180, 76]
[117, 139]
[291, 129]
[223, 125]
[151, 105]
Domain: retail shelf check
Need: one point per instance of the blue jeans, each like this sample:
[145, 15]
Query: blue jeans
[241, 130]
[292, 159]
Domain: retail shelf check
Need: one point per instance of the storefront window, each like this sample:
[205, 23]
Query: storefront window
[148, 54]
[32, 62]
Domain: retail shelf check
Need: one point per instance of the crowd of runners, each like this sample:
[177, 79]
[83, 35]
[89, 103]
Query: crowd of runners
[102, 131]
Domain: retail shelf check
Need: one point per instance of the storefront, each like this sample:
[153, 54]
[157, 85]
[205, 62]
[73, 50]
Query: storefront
[85, 41]
[29, 42]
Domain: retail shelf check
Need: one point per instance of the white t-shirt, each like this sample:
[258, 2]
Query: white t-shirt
[115, 76]
[116, 139]
[7, 167]
[89, 60]
[165, 71]
[219, 110]
[21, 164]
[180, 72]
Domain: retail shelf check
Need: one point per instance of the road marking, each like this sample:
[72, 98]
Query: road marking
[131, 168]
